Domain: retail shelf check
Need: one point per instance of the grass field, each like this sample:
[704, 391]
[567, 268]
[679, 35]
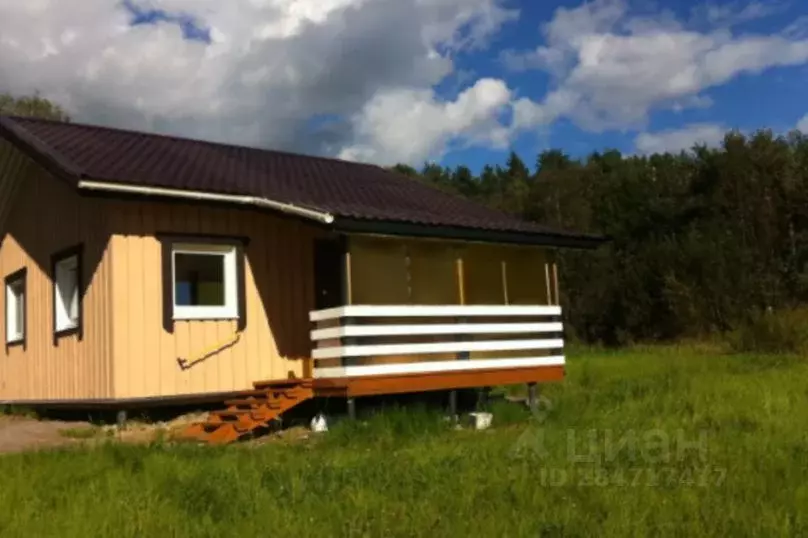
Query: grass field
[720, 448]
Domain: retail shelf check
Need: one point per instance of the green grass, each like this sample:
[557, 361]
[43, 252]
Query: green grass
[406, 473]
[16, 411]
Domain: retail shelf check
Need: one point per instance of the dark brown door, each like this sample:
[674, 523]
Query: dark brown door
[329, 273]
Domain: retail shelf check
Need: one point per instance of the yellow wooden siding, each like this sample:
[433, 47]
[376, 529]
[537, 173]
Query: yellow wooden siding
[387, 270]
[279, 292]
[378, 271]
[526, 276]
[482, 267]
[47, 216]
[433, 273]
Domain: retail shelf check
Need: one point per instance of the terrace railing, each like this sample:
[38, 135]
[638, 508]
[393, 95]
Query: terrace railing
[367, 340]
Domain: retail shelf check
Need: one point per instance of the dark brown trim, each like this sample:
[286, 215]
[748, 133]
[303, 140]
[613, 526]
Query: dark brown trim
[135, 403]
[78, 252]
[167, 241]
[367, 226]
[168, 284]
[21, 274]
[209, 239]
[241, 288]
[343, 269]
[403, 383]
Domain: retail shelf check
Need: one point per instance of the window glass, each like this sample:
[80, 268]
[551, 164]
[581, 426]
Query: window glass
[15, 310]
[204, 281]
[199, 279]
[67, 294]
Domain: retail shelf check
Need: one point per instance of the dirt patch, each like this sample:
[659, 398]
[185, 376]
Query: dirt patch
[146, 432]
[19, 433]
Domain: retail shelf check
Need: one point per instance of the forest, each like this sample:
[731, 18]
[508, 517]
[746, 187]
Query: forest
[701, 243]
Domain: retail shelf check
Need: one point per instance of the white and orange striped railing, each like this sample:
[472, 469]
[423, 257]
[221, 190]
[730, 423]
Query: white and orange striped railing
[365, 340]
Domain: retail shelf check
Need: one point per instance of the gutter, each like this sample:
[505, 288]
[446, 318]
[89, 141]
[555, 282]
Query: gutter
[325, 218]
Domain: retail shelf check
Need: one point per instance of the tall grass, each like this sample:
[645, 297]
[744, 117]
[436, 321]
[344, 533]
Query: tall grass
[773, 331]
[406, 472]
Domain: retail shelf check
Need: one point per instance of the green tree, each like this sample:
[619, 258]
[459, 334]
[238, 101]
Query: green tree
[33, 106]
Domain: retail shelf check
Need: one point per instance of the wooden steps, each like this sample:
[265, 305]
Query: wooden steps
[243, 415]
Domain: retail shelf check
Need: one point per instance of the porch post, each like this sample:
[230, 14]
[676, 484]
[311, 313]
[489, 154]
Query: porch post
[121, 418]
[453, 405]
[348, 282]
[505, 283]
[482, 398]
[461, 299]
[555, 282]
[532, 396]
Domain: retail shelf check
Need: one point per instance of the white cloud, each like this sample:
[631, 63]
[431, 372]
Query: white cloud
[410, 125]
[736, 13]
[612, 68]
[802, 125]
[357, 78]
[272, 68]
[682, 139]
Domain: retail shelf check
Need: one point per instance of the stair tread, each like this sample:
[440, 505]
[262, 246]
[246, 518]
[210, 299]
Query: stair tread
[252, 410]
[231, 412]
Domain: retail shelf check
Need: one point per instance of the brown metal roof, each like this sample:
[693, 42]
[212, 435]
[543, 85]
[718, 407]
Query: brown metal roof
[364, 196]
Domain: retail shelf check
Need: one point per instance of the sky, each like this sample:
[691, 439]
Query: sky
[411, 81]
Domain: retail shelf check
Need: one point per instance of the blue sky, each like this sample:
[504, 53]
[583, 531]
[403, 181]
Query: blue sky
[774, 99]
[386, 81]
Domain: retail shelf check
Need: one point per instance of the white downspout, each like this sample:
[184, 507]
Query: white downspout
[319, 216]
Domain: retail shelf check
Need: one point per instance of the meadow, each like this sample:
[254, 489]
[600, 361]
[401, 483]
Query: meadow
[662, 441]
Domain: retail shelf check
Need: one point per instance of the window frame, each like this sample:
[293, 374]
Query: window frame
[235, 275]
[229, 310]
[76, 251]
[20, 275]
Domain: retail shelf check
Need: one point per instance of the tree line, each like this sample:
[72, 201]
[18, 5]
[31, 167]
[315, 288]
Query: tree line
[701, 241]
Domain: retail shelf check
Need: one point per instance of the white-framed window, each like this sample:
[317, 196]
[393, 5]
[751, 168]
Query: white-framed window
[15, 307]
[66, 293]
[204, 281]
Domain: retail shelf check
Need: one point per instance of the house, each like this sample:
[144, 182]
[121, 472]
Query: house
[143, 269]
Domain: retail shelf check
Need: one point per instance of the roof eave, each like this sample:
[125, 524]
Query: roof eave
[384, 227]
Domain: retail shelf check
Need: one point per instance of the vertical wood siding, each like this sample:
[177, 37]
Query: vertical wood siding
[44, 217]
[279, 288]
[392, 270]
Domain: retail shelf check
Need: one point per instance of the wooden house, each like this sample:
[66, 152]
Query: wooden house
[143, 269]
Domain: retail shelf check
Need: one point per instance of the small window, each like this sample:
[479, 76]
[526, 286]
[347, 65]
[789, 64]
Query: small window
[15, 308]
[67, 291]
[204, 281]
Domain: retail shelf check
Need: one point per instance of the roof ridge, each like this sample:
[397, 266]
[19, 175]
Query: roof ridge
[178, 138]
